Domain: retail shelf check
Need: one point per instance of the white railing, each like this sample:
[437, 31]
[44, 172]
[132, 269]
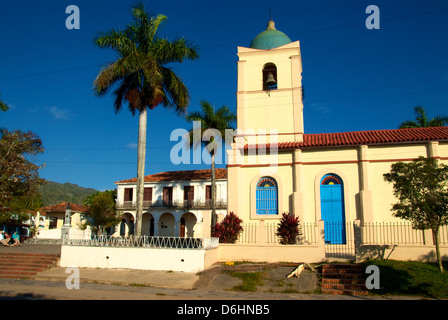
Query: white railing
[382, 233]
[172, 203]
[144, 242]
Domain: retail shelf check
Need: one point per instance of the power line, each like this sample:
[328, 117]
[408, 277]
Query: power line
[233, 42]
[50, 72]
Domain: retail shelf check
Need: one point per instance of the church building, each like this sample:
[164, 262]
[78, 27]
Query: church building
[275, 167]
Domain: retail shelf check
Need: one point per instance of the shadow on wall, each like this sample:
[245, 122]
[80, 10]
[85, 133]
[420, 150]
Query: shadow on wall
[380, 252]
[383, 252]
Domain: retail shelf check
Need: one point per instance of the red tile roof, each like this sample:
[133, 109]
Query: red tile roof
[60, 207]
[362, 137]
[181, 175]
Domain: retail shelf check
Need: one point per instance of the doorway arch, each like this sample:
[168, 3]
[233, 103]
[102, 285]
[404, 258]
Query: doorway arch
[333, 208]
[166, 225]
[147, 224]
[187, 224]
[127, 225]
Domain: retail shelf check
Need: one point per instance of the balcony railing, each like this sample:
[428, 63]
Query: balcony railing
[194, 204]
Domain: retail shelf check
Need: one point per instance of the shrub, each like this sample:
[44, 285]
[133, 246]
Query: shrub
[228, 229]
[288, 229]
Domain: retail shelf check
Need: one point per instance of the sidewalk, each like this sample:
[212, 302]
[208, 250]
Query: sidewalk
[150, 278]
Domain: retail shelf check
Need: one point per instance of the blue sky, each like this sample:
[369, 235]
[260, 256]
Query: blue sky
[354, 78]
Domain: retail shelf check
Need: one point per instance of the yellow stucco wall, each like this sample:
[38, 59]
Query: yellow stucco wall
[279, 110]
[366, 195]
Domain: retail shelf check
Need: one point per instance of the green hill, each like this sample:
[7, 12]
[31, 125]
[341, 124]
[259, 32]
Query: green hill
[53, 192]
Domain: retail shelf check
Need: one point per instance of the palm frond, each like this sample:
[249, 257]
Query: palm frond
[174, 51]
[409, 124]
[438, 121]
[144, 54]
[422, 120]
[3, 106]
[126, 85]
[421, 116]
[219, 120]
[115, 71]
[194, 116]
[176, 91]
[116, 40]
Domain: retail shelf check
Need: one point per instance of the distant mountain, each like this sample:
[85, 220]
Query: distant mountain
[53, 193]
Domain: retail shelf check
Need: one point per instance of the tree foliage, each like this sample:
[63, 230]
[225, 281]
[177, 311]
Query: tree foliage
[53, 193]
[421, 186]
[101, 212]
[228, 229]
[141, 73]
[3, 106]
[19, 176]
[214, 124]
[288, 229]
[219, 120]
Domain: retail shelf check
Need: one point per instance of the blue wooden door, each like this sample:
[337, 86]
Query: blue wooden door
[332, 210]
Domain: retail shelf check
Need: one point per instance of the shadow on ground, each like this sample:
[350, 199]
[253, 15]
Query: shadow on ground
[21, 296]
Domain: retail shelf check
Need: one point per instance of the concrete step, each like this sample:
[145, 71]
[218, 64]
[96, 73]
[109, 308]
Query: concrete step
[15, 265]
[342, 286]
[348, 281]
[35, 264]
[43, 241]
[346, 292]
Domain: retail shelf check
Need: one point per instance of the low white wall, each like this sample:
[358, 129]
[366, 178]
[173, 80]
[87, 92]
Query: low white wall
[80, 234]
[271, 253]
[49, 234]
[186, 260]
[57, 233]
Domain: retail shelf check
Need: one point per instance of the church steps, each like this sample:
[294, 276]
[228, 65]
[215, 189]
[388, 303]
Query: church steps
[25, 265]
[343, 279]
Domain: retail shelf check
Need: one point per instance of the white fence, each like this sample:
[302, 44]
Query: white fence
[399, 233]
[144, 242]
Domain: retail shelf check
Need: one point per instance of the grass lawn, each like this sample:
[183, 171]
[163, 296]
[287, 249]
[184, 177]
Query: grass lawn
[411, 278]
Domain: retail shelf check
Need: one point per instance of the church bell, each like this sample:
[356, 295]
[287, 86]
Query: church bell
[270, 81]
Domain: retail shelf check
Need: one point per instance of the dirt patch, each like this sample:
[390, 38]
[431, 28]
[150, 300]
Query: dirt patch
[273, 278]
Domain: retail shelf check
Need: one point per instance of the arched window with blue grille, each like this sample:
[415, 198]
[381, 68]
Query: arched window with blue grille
[267, 196]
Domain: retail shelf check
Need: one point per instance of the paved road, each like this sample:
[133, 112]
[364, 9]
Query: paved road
[57, 290]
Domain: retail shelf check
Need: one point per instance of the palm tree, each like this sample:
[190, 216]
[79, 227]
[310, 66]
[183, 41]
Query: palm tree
[219, 120]
[142, 78]
[422, 120]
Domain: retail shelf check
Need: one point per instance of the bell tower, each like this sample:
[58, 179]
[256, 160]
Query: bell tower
[269, 96]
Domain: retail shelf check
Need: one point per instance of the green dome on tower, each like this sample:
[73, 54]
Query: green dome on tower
[270, 38]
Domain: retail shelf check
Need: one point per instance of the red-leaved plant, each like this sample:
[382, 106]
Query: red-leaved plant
[288, 229]
[228, 229]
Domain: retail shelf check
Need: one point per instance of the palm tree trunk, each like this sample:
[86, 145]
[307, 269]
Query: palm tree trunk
[214, 217]
[141, 156]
